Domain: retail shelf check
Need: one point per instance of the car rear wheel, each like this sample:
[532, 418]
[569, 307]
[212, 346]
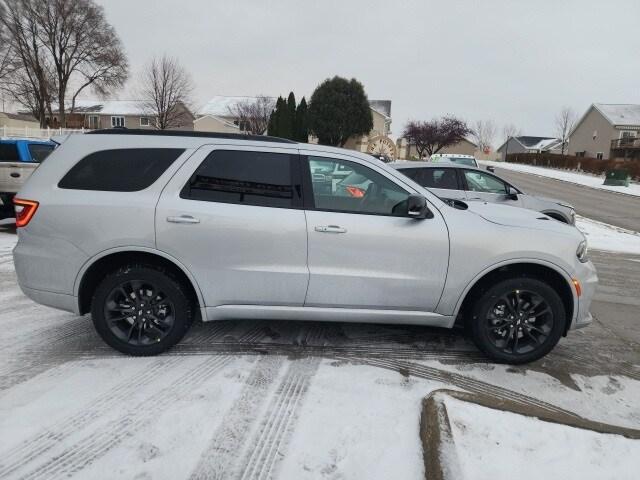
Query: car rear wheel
[141, 310]
[518, 320]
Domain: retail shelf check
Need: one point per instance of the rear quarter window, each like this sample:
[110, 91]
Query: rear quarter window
[9, 152]
[39, 151]
[121, 170]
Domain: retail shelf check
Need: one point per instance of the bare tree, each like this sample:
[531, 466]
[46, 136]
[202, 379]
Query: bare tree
[84, 48]
[510, 130]
[28, 77]
[565, 120]
[7, 54]
[484, 132]
[60, 47]
[432, 136]
[253, 115]
[166, 90]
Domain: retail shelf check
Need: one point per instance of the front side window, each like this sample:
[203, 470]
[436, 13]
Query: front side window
[444, 178]
[356, 189]
[39, 151]
[245, 177]
[121, 170]
[9, 152]
[482, 182]
[117, 122]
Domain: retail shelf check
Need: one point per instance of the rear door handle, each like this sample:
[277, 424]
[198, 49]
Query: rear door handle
[330, 229]
[15, 175]
[183, 219]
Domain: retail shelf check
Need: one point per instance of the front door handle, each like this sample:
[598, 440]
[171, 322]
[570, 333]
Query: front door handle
[330, 229]
[15, 174]
[183, 219]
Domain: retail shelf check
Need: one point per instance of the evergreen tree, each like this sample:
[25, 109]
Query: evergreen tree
[339, 109]
[301, 128]
[275, 121]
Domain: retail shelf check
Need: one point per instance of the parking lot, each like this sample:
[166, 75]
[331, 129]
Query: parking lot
[249, 399]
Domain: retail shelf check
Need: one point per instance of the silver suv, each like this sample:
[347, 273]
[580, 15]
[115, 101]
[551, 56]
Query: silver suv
[148, 231]
[468, 183]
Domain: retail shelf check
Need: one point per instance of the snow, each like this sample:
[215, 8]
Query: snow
[489, 443]
[620, 114]
[112, 107]
[220, 105]
[602, 236]
[585, 179]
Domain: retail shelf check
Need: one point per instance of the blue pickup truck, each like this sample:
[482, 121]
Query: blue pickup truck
[18, 160]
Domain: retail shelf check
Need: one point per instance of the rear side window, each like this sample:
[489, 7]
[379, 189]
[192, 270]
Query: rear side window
[9, 152]
[444, 178]
[245, 177]
[122, 170]
[39, 152]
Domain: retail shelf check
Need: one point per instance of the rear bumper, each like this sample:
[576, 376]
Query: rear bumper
[60, 301]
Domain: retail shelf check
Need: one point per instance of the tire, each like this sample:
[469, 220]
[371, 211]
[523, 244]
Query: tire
[155, 307]
[509, 325]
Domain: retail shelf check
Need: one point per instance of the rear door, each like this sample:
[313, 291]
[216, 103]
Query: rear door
[442, 181]
[233, 216]
[13, 172]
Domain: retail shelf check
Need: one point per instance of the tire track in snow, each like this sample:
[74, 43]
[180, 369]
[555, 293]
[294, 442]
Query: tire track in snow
[41, 442]
[93, 446]
[461, 381]
[221, 459]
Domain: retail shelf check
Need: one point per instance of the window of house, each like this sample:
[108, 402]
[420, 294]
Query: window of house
[627, 134]
[245, 177]
[600, 155]
[144, 121]
[361, 190]
[117, 122]
[121, 170]
[94, 122]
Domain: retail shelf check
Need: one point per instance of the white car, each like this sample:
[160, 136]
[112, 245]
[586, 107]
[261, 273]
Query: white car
[466, 160]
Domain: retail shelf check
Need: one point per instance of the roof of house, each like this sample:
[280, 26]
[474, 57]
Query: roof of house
[383, 107]
[534, 143]
[624, 114]
[112, 107]
[24, 117]
[221, 105]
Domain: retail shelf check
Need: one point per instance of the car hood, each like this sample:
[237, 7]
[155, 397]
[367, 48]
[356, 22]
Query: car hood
[520, 217]
[550, 200]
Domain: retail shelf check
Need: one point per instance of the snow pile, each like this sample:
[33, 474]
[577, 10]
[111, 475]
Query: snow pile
[495, 444]
[585, 179]
[602, 236]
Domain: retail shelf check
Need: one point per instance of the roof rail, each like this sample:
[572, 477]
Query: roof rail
[188, 133]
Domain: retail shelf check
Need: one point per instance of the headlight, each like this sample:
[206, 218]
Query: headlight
[581, 252]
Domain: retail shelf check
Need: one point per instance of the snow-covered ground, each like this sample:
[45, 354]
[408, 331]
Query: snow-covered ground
[487, 443]
[586, 179]
[602, 236]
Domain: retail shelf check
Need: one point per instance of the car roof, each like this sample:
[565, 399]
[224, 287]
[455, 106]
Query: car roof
[402, 164]
[26, 140]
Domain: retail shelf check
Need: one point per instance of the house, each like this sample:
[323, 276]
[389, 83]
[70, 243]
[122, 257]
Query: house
[218, 114]
[377, 141]
[17, 120]
[529, 144]
[98, 114]
[606, 131]
[408, 151]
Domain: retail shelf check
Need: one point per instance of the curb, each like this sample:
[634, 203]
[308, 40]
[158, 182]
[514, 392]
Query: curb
[435, 428]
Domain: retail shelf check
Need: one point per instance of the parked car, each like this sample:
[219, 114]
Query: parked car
[18, 159]
[467, 160]
[146, 230]
[466, 183]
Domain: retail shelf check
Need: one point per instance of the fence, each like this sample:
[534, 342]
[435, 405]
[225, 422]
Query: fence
[580, 164]
[41, 133]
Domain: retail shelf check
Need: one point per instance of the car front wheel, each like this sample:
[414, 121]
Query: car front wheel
[141, 310]
[518, 320]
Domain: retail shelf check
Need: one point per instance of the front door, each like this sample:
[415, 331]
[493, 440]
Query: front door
[363, 252]
[233, 216]
[488, 188]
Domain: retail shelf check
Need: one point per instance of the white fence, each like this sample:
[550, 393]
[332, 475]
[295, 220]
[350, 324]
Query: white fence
[44, 133]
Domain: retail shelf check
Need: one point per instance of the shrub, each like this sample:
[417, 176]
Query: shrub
[581, 164]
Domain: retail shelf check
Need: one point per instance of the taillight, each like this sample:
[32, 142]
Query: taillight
[355, 192]
[25, 209]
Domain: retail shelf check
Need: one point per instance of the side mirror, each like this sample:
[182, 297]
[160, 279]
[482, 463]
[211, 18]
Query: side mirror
[491, 169]
[513, 194]
[417, 207]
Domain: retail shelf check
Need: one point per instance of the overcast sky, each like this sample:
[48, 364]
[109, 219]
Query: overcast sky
[509, 61]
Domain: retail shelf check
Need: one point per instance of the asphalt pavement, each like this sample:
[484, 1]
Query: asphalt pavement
[609, 207]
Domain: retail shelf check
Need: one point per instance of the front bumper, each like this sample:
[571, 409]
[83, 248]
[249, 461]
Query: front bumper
[587, 276]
